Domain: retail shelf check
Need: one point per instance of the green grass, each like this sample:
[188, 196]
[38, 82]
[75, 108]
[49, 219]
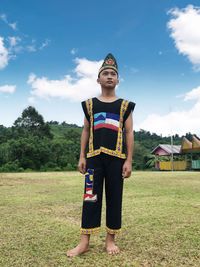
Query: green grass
[40, 219]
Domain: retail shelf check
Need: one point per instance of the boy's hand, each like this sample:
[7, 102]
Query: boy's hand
[82, 165]
[127, 169]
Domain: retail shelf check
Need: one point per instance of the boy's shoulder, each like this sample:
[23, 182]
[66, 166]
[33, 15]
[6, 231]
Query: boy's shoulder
[95, 99]
[88, 100]
[130, 102]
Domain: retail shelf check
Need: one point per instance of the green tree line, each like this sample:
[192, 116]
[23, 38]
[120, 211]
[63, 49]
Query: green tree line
[32, 144]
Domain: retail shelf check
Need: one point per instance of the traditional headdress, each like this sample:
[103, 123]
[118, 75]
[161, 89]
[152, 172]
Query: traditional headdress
[109, 63]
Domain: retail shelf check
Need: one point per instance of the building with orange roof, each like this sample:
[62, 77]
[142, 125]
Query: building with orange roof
[187, 155]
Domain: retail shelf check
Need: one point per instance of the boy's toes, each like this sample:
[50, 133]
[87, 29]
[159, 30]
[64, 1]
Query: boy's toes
[113, 251]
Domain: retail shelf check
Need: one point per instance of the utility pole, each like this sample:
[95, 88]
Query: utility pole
[172, 154]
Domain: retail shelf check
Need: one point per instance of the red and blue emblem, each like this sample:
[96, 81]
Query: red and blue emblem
[89, 180]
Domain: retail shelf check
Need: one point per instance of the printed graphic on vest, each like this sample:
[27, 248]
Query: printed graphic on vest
[89, 179]
[106, 120]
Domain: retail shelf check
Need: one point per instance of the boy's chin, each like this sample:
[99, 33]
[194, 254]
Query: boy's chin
[110, 86]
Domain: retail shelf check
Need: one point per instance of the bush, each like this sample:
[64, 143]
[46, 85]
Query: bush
[43, 169]
[69, 167]
[28, 170]
[57, 169]
[20, 169]
[10, 166]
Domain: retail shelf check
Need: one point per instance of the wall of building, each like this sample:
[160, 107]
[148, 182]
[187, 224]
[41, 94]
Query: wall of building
[177, 165]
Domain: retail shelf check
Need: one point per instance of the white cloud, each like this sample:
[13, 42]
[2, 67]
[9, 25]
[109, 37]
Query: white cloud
[4, 55]
[13, 25]
[31, 48]
[9, 52]
[14, 40]
[3, 17]
[74, 51]
[10, 89]
[193, 94]
[13, 45]
[44, 44]
[180, 122]
[84, 84]
[184, 26]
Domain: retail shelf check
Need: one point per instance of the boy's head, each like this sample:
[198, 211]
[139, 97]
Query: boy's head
[108, 73]
[109, 63]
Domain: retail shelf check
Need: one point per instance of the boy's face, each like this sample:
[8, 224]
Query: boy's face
[108, 78]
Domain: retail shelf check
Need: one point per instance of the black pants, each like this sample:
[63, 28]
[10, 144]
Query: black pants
[102, 167]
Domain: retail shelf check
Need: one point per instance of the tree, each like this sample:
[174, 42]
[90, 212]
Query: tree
[150, 160]
[139, 154]
[31, 152]
[5, 134]
[31, 123]
[53, 122]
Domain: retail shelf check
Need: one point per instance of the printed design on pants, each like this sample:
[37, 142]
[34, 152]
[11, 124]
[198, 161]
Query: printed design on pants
[89, 181]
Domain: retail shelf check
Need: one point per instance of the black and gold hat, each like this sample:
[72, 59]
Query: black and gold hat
[109, 63]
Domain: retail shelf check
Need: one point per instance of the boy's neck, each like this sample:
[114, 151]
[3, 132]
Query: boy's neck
[108, 93]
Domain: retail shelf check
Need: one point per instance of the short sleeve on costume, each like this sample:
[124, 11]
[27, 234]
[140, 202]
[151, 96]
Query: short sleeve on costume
[85, 110]
[131, 106]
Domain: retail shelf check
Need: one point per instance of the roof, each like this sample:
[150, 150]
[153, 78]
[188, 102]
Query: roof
[195, 142]
[169, 149]
[188, 146]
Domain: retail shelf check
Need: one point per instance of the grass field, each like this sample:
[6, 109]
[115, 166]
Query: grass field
[40, 218]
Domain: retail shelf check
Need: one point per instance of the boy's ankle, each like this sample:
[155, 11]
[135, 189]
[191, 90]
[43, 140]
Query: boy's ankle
[110, 237]
[85, 240]
[83, 245]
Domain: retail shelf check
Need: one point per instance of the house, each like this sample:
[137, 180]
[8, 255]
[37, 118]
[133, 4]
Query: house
[191, 149]
[168, 151]
[188, 154]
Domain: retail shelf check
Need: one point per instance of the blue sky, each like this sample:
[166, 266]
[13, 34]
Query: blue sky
[50, 53]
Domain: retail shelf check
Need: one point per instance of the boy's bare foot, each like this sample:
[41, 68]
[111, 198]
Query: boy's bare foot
[111, 248]
[78, 250]
[81, 248]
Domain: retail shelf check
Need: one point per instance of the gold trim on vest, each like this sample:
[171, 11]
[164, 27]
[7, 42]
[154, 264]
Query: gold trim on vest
[106, 151]
[118, 150]
[123, 109]
[89, 106]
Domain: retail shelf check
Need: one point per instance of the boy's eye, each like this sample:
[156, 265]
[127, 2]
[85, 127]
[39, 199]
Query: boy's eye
[111, 73]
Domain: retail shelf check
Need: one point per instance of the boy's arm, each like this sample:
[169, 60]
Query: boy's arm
[84, 142]
[127, 167]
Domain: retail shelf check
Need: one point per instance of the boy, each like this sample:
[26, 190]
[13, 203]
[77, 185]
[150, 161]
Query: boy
[109, 129]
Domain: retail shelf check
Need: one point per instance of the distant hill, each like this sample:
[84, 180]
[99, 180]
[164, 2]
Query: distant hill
[60, 131]
[26, 148]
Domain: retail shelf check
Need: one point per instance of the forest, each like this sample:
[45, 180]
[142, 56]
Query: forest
[31, 144]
